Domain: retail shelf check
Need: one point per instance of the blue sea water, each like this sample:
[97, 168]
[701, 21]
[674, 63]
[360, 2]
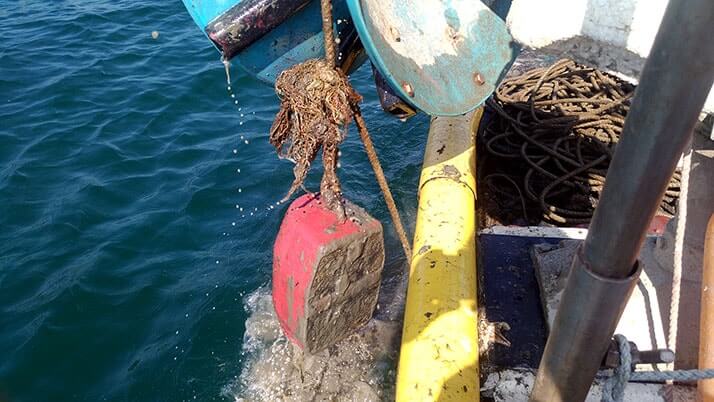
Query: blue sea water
[125, 257]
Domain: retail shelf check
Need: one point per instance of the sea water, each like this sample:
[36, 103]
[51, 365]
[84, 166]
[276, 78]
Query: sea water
[138, 209]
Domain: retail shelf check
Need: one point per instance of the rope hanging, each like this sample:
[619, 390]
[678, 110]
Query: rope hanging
[317, 104]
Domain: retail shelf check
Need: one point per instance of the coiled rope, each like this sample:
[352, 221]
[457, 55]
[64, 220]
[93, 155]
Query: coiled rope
[551, 140]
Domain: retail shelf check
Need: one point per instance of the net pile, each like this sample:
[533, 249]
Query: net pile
[316, 102]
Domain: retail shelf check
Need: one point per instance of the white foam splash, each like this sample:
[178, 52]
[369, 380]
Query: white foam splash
[359, 368]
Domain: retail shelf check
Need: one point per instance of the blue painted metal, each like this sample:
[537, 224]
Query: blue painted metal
[444, 58]
[205, 11]
[298, 39]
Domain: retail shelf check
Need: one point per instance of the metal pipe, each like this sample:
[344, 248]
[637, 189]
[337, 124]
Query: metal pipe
[438, 360]
[674, 84]
[567, 355]
[705, 388]
[673, 87]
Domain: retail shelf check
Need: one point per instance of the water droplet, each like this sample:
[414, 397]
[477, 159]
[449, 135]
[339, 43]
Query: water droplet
[233, 223]
[236, 102]
[242, 115]
[240, 190]
[238, 170]
[240, 124]
[246, 141]
[241, 209]
[251, 214]
[229, 87]
[242, 137]
[237, 206]
[240, 108]
[235, 151]
[177, 332]
[227, 65]
[155, 34]
[233, 96]
[217, 261]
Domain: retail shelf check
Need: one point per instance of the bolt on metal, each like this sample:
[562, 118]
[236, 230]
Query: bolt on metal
[407, 87]
[478, 78]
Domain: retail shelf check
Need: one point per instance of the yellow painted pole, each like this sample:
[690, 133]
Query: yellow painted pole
[439, 351]
[705, 389]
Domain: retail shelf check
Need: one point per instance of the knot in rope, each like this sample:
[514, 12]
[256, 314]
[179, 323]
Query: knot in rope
[614, 388]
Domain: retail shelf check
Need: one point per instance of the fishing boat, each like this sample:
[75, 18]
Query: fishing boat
[446, 59]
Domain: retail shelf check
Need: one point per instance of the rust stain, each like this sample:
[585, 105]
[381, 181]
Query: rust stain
[407, 87]
[478, 79]
[451, 172]
[395, 34]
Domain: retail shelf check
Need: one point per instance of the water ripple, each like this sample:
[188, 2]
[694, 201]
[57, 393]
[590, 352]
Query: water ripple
[124, 261]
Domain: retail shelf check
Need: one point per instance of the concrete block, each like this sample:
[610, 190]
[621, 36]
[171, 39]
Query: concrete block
[326, 273]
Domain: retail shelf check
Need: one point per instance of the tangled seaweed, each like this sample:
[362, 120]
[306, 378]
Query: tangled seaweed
[316, 103]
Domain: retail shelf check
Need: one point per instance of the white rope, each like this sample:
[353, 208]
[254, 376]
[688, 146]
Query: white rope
[614, 388]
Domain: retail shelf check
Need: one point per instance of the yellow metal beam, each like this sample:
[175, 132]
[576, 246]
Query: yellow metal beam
[439, 351]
